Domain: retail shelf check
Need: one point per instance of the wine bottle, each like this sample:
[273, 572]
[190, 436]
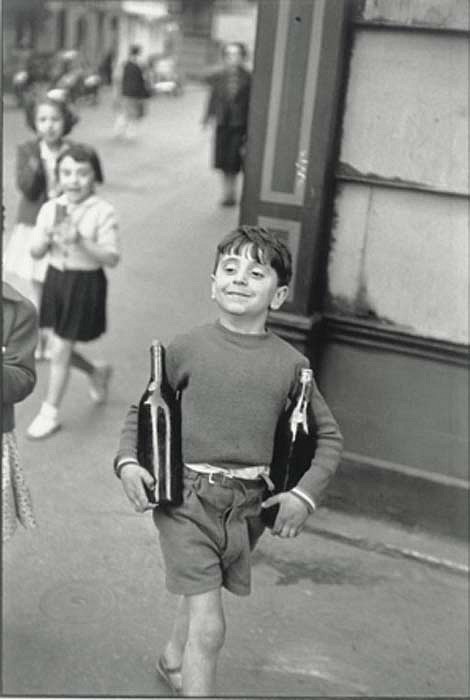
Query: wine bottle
[159, 433]
[294, 443]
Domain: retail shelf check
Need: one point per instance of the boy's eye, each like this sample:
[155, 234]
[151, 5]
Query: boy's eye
[259, 274]
[229, 267]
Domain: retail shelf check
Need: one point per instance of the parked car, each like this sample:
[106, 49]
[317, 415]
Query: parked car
[36, 70]
[75, 79]
[64, 71]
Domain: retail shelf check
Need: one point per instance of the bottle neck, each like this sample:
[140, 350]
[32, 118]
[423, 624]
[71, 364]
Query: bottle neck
[299, 414]
[157, 364]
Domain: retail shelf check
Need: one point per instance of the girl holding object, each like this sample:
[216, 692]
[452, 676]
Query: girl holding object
[79, 232]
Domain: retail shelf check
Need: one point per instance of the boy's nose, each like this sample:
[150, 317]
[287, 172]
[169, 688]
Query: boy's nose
[240, 277]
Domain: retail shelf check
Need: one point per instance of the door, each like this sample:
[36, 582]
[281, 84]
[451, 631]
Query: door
[299, 63]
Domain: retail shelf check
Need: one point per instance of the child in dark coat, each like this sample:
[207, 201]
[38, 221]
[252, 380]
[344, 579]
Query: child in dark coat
[18, 381]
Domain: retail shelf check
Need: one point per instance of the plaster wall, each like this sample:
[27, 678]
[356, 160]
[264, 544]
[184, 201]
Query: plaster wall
[400, 254]
[449, 14]
[402, 257]
[407, 108]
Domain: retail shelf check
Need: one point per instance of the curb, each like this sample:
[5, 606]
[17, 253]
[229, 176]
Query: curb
[391, 550]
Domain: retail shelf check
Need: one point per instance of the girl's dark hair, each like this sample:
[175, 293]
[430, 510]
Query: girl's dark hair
[265, 246]
[83, 154]
[69, 117]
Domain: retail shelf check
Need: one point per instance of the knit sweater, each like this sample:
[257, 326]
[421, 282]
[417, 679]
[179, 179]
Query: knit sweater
[234, 387]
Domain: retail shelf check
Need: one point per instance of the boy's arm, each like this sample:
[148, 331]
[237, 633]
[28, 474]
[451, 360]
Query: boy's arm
[299, 502]
[327, 454]
[127, 467]
[127, 450]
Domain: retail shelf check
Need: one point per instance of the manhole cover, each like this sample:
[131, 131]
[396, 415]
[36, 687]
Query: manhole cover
[77, 602]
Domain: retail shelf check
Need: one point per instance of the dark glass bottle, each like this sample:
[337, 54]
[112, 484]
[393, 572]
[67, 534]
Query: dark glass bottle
[294, 443]
[159, 433]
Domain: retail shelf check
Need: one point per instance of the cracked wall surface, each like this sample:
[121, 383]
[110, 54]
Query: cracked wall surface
[400, 237]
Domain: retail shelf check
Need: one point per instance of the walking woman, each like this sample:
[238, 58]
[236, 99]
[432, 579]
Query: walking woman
[228, 107]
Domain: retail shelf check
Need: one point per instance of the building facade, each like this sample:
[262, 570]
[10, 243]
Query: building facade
[358, 155]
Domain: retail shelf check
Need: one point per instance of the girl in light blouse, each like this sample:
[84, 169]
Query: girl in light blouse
[79, 232]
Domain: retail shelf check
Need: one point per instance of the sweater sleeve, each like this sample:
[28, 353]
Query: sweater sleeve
[18, 368]
[127, 449]
[108, 234]
[328, 450]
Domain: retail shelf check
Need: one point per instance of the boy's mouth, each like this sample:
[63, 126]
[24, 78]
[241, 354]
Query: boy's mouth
[239, 294]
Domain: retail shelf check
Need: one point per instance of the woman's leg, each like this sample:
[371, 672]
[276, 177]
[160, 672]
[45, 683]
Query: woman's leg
[206, 635]
[229, 189]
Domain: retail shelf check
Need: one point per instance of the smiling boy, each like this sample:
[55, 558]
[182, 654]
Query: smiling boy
[235, 377]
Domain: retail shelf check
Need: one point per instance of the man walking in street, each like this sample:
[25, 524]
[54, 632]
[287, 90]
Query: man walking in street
[133, 92]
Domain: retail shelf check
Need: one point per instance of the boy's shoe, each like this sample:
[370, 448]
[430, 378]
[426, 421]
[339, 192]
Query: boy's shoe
[99, 383]
[45, 423]
[166, 673]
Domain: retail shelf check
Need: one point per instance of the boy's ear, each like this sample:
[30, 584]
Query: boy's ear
[279, 297]
[212, 286]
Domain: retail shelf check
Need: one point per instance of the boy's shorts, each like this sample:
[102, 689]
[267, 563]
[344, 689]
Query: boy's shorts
[207, 541]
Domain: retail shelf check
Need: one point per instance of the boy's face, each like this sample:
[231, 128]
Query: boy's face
[245, 288]
[76, 179]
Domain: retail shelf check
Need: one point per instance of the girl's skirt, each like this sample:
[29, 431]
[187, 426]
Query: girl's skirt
[18, 259]
[16, 499]
[74, 303]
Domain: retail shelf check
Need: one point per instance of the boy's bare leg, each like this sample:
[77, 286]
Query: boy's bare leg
[174, 650]
[206, 635]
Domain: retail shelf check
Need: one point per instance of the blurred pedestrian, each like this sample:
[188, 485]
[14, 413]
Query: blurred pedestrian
[19, 321]
[106, 67]
[36, 179]
[79, 230]
[228, 106]
[133, 94]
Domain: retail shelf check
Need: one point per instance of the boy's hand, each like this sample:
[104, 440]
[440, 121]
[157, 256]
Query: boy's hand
[291, 516]
[133, 478]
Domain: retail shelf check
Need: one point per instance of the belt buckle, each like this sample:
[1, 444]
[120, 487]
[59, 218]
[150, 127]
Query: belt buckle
[218, 477]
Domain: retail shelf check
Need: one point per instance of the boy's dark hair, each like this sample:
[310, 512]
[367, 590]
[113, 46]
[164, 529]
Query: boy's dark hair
[83, 154]
[267, 249]
[69, 117]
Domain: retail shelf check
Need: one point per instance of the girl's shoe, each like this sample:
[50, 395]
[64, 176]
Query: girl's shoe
[166, 673]
[45, 423]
